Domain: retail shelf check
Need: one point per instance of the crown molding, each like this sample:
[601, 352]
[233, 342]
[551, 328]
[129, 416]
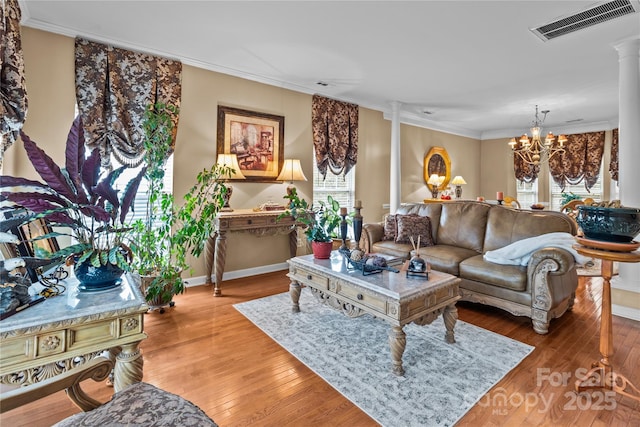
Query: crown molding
[414, 119]
[568, 129]
[406, 117]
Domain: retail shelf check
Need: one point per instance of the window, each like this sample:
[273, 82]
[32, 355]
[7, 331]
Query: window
[341, 188]
[140, 204]
[527, 192]
[578, 189]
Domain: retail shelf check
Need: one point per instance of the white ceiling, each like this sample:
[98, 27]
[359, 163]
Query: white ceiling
[475, 65]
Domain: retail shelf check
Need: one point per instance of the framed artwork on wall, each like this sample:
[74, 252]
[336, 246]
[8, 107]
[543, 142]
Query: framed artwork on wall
[257, 139]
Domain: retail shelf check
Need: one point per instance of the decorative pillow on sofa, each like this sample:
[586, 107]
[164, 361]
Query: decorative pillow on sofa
[414, 225]
[390, 228]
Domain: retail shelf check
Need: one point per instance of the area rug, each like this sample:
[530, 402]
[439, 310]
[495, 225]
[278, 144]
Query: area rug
[441, 383]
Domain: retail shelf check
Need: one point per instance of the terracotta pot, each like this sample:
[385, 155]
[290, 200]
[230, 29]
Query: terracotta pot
[321, 250]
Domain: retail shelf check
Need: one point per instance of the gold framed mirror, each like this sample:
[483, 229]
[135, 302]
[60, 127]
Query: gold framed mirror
[437, 162]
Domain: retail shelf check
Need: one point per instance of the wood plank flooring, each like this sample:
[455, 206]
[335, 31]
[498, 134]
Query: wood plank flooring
[207, 352]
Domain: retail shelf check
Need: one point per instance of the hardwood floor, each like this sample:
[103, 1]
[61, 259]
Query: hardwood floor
[207, 352]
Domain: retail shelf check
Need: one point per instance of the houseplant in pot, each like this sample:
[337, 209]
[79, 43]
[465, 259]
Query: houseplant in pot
[318, 223]
[168, 233]
[82, 201]
[331, 211]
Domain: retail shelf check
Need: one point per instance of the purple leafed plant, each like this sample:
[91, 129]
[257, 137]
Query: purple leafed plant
[80, 198]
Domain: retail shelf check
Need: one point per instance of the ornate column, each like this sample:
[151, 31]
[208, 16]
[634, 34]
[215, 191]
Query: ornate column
[627, 283]
[394, 167]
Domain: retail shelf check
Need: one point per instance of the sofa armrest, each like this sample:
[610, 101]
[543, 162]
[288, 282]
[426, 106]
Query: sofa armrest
[552, 281]
[371, 233]
[562, 258]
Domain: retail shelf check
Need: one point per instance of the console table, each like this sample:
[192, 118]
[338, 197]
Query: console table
[602, 375]
[259, 223]
[71, 330]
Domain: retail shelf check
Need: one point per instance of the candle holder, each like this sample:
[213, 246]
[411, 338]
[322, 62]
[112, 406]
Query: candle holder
[357, 225]
[500, 202]
[343, 231]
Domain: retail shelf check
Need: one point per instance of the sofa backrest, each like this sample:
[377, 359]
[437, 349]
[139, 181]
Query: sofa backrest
[505, 226]
[463, 224]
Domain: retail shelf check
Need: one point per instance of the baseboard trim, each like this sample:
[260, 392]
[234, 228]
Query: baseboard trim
[624, 311]
[237, 274]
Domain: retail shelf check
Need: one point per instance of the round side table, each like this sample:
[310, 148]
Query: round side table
[602, 375]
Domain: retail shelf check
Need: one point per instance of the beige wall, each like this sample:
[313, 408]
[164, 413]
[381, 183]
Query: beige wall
[49, 62]
[49, 66]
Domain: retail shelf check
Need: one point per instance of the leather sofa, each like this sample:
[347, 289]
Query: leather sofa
[463, 231]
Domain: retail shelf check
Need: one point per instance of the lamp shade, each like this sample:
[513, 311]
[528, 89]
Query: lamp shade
[231, 160]
[458, 180]
[434, 179]
[291, 171]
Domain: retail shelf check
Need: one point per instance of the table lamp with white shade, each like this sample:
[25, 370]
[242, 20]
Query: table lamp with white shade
[231, 161]
[291, 171]
[435, 182]
[458, 181]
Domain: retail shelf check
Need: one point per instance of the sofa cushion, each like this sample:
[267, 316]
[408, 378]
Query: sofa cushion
[432, 210]
[463, 225]
[505, 276]
[446, 258]
[390, 228]
[416, 227]
[506, 226]
[401, 250]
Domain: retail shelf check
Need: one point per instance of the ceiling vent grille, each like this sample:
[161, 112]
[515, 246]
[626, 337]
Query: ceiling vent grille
[596, 14]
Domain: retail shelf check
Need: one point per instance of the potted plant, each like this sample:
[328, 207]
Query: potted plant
[318, 224]
[82, 201]
[168, 233]
[331, 210]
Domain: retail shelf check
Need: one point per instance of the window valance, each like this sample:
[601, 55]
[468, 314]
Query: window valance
[13, 92]
[335, 135]
[113, 88]
[613, 165]
[580, 161]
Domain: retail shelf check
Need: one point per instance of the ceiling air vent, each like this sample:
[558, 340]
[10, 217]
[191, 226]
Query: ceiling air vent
[600, 12]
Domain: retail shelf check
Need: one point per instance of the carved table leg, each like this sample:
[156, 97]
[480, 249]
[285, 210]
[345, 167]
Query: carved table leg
[220, 258]
[209, 256]
[128, 368]
[294, 291]
[450, 316]
[397, 344]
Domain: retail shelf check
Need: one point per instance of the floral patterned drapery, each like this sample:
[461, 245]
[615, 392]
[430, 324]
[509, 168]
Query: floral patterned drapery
[524, 171]
[613, 165]
[113, 88]
[13, 108]
[580, 161]
[335, 135]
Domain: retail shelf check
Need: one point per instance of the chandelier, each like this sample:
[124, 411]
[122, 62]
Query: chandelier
[533, 151]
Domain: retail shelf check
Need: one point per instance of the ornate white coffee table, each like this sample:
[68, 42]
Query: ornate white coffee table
[69, 331]
[390, 296]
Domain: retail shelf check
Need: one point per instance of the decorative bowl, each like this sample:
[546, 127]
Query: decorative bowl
[609, 224]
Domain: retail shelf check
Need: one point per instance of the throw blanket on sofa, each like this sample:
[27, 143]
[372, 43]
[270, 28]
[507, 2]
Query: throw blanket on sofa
[519, 253]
